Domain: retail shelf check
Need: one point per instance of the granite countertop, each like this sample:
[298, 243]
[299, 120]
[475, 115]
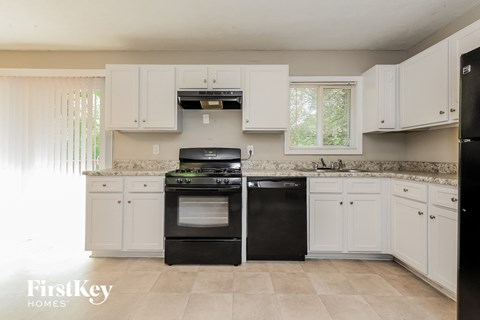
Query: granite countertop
[127, 172]
[439, 178]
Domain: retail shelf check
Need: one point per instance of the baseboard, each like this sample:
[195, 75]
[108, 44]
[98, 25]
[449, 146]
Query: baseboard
[126, 254]
[350, 256]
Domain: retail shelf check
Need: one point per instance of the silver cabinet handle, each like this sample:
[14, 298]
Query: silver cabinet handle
[119, 201]
[420, 213]
[453, 109]
[214, 81]
[129, 201]
[135, 121]
[383, 121]
[341, 202]
[454, 199]
[405, 190]
[145, 185]
[441, 112]
[247, 121]
[351, 202]
[104, 185]
[144, 120]
[432, 217]
[204, 80]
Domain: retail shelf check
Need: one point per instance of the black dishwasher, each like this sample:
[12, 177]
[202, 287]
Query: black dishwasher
[276, 218]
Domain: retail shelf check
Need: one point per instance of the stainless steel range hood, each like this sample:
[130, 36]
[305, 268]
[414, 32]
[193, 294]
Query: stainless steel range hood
[210, 100]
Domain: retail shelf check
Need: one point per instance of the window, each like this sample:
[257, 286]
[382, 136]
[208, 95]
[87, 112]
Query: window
[325, 116]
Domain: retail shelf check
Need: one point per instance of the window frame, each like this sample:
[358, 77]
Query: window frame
[356, 112]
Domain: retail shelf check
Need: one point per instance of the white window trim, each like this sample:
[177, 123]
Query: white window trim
[356, 117]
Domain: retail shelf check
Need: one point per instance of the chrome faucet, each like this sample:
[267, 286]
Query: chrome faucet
[341, 165]
[323, 163]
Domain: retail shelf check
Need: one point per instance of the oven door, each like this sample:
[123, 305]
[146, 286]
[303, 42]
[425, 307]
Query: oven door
[203, 212]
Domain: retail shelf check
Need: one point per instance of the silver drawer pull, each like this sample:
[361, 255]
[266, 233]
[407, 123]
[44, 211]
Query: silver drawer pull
[119, 201]
[420, 213]
[129, 201]
[405, 190]
[432, 217]
[104, 185]
[454, 199]
[145, 185]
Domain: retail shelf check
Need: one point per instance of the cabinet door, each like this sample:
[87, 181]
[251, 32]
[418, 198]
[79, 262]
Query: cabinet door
[121, 97]
[225, 77]
[144, 221]
[442, 247]
[409, 232]
[326, 222]
[424, 87]
[103, 229]
[192, 77]
[380, 98]
[158, 108]
[266, 98]
[364, 222]
[461, 42]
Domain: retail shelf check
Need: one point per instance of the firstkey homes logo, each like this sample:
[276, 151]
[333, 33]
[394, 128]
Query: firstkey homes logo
[43, 294]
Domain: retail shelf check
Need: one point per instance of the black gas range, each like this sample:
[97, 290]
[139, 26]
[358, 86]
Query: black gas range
[203, 207]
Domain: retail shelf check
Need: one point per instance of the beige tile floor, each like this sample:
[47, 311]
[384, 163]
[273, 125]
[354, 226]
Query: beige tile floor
[148, 289]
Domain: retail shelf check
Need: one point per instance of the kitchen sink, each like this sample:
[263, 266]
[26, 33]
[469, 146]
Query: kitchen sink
[322, 170]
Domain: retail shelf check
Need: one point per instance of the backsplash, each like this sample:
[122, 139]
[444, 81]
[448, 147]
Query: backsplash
[420, 166]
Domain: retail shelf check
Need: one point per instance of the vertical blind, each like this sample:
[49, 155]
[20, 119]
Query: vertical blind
[50, 123]
[49, 133]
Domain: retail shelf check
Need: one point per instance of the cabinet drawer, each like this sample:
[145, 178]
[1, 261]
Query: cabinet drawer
[410, 190]
[443, 196]
[104, 184]
[359, 185]
[144, 184]
[326, 185]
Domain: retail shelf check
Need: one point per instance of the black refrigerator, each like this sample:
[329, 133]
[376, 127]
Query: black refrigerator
[468, 291]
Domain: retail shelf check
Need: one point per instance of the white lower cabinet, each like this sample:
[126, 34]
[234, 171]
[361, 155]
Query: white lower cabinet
[409, 232]
[144, 221]
[345, 215]
[326, 222]
[126, 218]
[364, 217]
[442, 236]
[424, 230]
[104, 219]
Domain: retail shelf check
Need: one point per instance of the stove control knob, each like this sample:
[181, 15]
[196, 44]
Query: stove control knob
[188, 180]
[226, 181]
[179, 180]
[218, 181]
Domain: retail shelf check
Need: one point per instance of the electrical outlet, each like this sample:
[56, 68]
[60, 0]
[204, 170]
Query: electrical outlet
[250, 150]
[156, 149]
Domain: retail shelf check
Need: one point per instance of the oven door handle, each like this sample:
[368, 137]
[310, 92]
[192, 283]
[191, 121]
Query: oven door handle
[229, 189]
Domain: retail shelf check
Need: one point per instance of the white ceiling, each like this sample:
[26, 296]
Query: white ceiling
[223, 24]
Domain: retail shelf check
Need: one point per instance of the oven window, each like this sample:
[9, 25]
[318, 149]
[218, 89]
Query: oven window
[194, 211]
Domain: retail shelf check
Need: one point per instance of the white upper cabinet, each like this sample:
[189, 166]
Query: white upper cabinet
[209, 77]
[141, 98]
[424, 88]
[158, 107]
[266, 98]
[380, 98]
[461, 42]
[121, 97]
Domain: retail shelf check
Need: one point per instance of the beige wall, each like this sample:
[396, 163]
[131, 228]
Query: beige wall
[434, 145]
[437, 145]
[225, 129]
[302, 63]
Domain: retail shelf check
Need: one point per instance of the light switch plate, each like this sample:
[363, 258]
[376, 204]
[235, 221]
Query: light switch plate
[206, 118]
[156, 149]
